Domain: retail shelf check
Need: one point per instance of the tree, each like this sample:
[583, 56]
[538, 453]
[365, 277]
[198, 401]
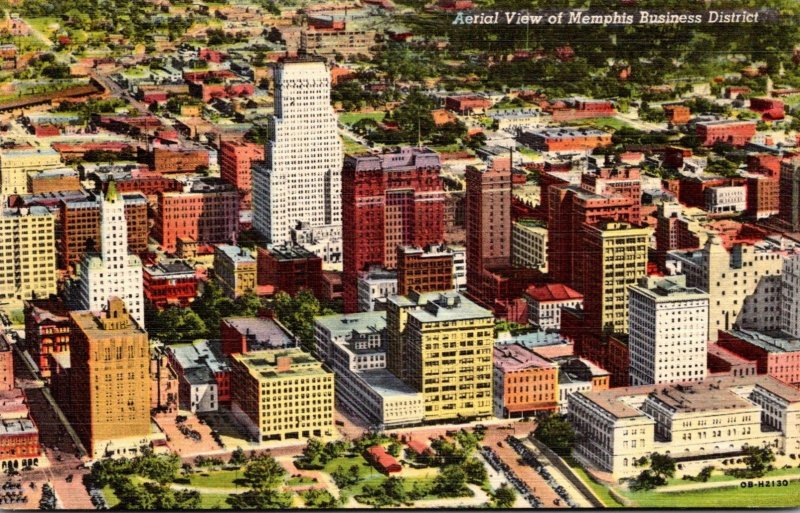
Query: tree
[662, 466]
[174, 325]
[475, 471]
[394, 449]
[48, 500]
[450, 482]
[297, 314]
[504, 497]
[341, 477]
[264, 473]
[238, 457]
[258, 500]
[758, 460]
[556, 432]
[161, 469]
[320, 499]
[311, 452]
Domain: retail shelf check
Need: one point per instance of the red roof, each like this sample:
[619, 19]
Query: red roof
[552, 292]
[417, 446]
[383, 460]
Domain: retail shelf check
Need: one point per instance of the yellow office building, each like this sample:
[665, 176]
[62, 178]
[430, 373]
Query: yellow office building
[445, 341]
[282, 394]
[27, 254]
[616, 257]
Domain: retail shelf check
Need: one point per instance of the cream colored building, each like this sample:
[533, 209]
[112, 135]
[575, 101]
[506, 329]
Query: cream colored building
[27, 254]
[700, 421]
[282, 394]
[235, 269]
[667, 328]
[529, 245]
[355, 345]
[17, 163]
[743, 284]
[445, 342]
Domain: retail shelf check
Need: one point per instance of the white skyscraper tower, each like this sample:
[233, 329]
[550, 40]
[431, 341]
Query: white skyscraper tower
[300, 179]
[114, 272]
[667, 331]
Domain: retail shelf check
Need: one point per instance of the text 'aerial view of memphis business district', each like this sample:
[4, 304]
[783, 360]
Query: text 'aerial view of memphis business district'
[262, 254]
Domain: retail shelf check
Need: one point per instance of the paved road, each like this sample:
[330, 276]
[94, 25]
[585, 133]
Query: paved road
[574, 494]
[495, 438]
[56, 445]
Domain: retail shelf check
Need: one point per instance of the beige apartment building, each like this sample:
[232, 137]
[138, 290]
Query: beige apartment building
[743, 284]
[27, 254]
[17, 163]
[282, 394]
[529, 245]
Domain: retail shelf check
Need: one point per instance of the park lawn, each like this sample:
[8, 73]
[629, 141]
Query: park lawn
[602, 123]
[111, 497]
[450, 148]
[353, 147]
[214, 501]
[717, 476]
[302, 480]
[215, 479]
[601, 490]
[351, 118]
[42, 24]
[728, 497]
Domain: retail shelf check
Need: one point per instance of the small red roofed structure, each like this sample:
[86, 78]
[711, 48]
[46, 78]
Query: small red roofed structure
[382, 460]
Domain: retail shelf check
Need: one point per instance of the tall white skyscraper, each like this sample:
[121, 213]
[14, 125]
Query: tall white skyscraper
[667, 331]
[114, 272]
[300, 179]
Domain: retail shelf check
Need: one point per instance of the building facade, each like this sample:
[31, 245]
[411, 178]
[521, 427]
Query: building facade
[388, 200]
[27, 254]
[235, 269]
[524, 383]
[109, 378]
[300, 181]
[113, 272]
[668, 328]
[529, 245]
[282, 394]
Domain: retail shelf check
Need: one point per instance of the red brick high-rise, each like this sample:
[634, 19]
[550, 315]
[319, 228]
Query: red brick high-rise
[388, 200]
[488, 220]
[602, 196]
[235, 161]
[208, 213]
[78, 228]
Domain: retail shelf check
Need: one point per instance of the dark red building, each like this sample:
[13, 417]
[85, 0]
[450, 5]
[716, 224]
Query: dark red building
[178, 160]
[573, 206]
[771, 109]
[424, 269]
[289, 269]
[207, 213]
[170, 282]
[235, 161]
[388, 200]
[47, 331]
[736, 133]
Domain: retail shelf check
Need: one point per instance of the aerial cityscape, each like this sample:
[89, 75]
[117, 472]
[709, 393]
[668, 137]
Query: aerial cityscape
[287, 254]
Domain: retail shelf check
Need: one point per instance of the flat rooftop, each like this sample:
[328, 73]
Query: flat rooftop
[441, 306]
[263, 364]
[169, 268]
[200, 353]
[17, 427]
[770, 341]
[260, 333]
[289, 252]
[514, 357]
[236, 254]
[343, 324]
[406, 159]
[385, 383]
